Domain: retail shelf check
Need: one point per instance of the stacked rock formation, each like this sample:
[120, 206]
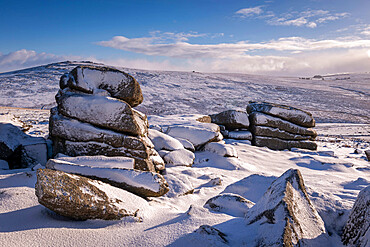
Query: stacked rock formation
[94, 116]
[281, 127]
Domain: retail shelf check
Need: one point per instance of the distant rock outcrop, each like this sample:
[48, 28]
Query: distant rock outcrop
[19, 149]
[357, 229]
[285, 215]
[95, 117]
[83, 198]
[281, 127]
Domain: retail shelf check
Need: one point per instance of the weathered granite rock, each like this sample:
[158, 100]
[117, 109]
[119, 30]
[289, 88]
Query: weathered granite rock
[157, 161]
[279, 144]
[180, 157]
[70, 148]
[82, 198]
[285, 215]
[240, 135]
[262, 119]
[225, 150]
[74, 130]
[357, 229]
[231, 119]
[288, 113]
[116, 171]
[101, 111]
[277, 133]
[197, 136]
[163, 141]
[229, 203]
[89, 79]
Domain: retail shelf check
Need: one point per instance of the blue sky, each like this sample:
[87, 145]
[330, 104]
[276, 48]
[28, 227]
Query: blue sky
[262, 37]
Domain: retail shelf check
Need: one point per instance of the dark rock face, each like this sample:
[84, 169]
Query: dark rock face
[286, 211]
[231, 119]
[119, 173]
[82, 198]
[13, 147]
[357, 229]
[288, 113]
[279, 144]
[120, 85]
[262, 119]
[277, 133]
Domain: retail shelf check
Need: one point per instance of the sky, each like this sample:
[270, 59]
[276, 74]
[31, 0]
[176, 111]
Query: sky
[275, 37]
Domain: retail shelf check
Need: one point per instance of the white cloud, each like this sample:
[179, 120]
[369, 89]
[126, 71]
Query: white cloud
[26, 58]
[179, 49]
[246, 12]
[284, 22]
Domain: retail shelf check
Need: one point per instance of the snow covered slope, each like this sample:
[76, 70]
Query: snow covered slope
[165, 92]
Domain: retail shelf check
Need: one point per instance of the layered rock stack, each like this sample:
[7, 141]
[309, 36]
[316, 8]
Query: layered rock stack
[94, 116]
[281, 127]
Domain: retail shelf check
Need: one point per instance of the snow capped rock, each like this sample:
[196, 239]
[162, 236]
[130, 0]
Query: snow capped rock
[279, 144]
[116, 171]
[187, 145]
[229, 203]
[231, 119]
[197, 136]
[225, 150]
[70, 148]
[285, 215]
[74, 130]
[180, 157]
[179, 185]
[258, 118]
[288, 113]
[89, 79]
[212, 235]
[162, 141]
[157, 161]
[102, 111]
[357, 229]
[240, 135]
[82, 198]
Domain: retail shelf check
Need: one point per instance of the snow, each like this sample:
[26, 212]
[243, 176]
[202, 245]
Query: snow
[341, 110]
[187, 145]
[101, 161]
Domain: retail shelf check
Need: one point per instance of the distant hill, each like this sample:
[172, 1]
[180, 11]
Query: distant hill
[170, 92]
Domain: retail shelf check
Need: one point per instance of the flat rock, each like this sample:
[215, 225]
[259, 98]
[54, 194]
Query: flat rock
[197, 136]
[83, 198]
[116, 171]
[357, 229]
[229, 203]
[70, 148]
[89, 79]
[225, 150]
[180, 157]
[162, 141]
[101, 111]
[240, 135]
[291, 114]
[285, 215]
[279, 144]
[77, 131]
[262, 119]
[231, 119]
[277, 133]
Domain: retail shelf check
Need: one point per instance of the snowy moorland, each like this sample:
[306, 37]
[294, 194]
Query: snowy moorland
[333, 175]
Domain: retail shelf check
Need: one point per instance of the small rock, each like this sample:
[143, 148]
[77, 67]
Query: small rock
[229, 203]
[187, 145]
[211, 231]
[225, 150]
[367, 153]
[163, 141]
[180, 157]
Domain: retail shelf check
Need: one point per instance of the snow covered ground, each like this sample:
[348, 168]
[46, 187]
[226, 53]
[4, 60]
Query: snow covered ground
[333, 175]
